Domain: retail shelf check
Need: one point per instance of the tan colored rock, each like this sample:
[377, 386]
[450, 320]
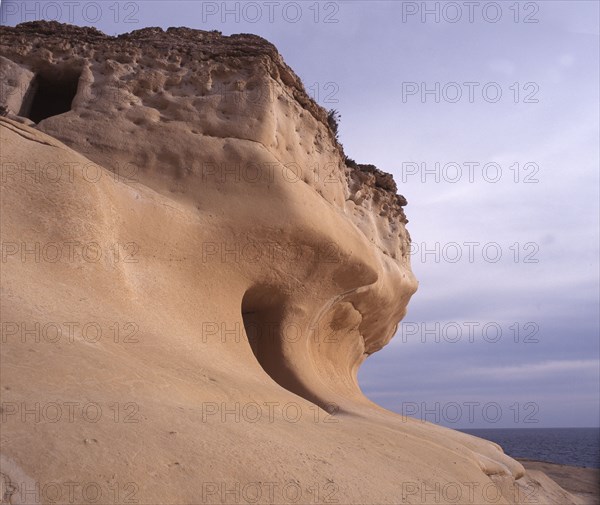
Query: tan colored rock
[191, 277]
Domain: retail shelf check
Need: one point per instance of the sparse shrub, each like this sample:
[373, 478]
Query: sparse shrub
[350, 162]
[333, 119]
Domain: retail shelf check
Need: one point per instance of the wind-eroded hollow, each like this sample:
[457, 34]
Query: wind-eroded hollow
[271, 339]
[262, 312]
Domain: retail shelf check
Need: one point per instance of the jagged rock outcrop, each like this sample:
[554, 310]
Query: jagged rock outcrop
[187, 253]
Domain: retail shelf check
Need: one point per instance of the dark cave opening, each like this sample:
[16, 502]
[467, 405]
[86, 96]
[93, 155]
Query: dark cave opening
[51, 93]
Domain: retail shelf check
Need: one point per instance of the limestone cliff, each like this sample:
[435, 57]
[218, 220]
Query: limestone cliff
[181, 197]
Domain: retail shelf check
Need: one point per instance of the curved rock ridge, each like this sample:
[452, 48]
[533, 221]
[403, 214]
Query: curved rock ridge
[195, 115]
[187, 249]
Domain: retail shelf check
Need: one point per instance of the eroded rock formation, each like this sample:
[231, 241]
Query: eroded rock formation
[179, 195]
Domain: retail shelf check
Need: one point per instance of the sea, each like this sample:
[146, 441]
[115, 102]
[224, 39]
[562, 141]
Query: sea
[566, 446]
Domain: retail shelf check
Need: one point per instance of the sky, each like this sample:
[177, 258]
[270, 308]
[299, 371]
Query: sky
[487, 114]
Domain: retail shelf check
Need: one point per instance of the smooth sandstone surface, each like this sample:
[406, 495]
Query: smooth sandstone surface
[191, 278]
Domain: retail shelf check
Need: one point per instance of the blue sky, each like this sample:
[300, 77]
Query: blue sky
[489, 121]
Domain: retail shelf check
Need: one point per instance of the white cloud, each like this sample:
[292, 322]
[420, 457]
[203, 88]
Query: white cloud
[566, 60]
[504, 67]
[536, 370]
